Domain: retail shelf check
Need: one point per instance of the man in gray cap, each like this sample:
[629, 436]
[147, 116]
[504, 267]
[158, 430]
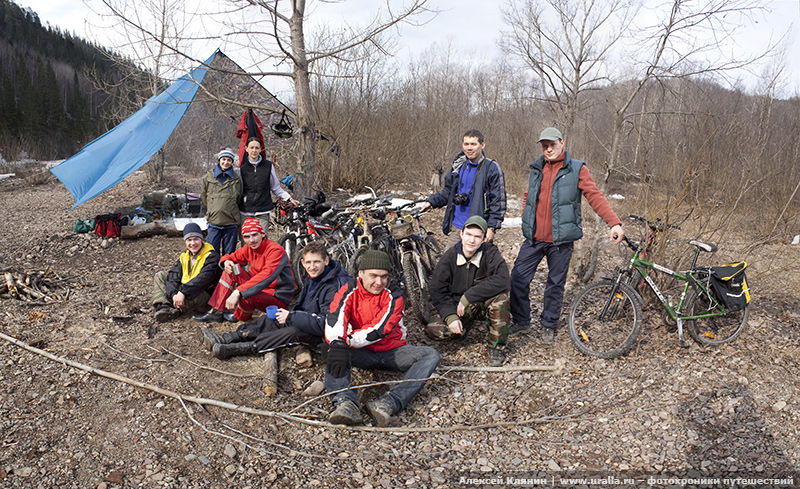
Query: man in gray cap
[185, 286]
[471, 282]
[365, 329]
[551, 223]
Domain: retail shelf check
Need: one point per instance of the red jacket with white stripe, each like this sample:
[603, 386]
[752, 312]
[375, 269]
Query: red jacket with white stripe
[365, 320]
[270, 270]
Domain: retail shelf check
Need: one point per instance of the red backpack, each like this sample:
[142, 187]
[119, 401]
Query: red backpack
[108, 225]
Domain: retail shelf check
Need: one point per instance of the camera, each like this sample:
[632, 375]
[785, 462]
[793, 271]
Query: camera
[461, 199]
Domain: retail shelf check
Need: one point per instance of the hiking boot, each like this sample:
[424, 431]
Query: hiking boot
[229, 316]
[380, 410]
[548, 335]
[346, 412]
[209, 317]
[223, 351]
[166, 313]
[496, 357]
[303, 357]
[517, 328]
[211, 338]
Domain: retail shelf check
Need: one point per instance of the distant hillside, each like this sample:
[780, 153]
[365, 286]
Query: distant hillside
[49, 107]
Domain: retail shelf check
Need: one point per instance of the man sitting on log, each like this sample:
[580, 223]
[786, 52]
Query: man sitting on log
[255, 276]
[186, 285]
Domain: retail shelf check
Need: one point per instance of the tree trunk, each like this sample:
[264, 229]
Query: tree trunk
[306, 136]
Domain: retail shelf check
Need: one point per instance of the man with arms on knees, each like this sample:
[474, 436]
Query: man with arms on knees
[268, 281]
[303, 325]
[365, 329]
[471, 282]
[184, 287]
[475, 186]
[551, 223]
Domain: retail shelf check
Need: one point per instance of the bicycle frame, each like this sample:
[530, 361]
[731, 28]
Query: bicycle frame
[688, 278]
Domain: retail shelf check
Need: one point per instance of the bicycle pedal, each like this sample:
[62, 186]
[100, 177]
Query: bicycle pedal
[684, 343]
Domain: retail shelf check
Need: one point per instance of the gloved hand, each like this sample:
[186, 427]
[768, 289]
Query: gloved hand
[338, 362]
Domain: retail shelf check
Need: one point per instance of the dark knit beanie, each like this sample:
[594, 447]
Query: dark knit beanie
[375, 260]
[192, 230]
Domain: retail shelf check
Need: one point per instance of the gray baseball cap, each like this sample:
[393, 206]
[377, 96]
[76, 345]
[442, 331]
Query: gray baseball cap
[550, 134]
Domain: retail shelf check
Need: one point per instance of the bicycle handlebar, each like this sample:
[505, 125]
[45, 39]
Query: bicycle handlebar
[654, 226]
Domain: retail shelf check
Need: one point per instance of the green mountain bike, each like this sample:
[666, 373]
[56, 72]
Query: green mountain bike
[605, 318]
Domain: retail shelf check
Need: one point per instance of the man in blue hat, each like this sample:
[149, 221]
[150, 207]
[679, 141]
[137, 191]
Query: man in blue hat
[185, 287]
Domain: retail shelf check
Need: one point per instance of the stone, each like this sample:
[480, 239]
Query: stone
[778, 406]
[553, 465]
[316, 388]
[115, 477]
[230, 451]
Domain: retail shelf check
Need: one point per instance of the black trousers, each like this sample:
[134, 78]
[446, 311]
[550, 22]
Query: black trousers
[268, 335]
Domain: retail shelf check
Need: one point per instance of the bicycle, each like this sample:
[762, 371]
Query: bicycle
[413, 253]
[605, 317]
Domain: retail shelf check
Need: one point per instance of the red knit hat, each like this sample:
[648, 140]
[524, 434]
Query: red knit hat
[251, 225]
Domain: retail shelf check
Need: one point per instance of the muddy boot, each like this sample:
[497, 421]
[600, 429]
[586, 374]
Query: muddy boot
[211, 338]
[224, 351]
[346, 412]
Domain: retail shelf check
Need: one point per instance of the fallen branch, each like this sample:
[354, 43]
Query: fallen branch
[507, 368]
[202, 367]
[273, 414]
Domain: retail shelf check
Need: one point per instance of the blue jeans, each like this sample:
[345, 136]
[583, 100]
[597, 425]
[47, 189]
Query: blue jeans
[418, 362]
[528, 259]
[223, 238]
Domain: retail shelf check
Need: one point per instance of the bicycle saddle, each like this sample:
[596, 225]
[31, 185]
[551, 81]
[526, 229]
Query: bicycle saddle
[710, 247]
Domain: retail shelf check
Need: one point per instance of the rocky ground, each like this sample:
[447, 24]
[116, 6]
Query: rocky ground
[661, 411]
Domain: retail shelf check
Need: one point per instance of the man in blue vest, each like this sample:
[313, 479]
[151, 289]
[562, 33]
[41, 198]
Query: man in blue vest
[475, 186]
[551, 223]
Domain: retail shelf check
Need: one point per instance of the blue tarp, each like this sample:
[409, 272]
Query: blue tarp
[107, 160]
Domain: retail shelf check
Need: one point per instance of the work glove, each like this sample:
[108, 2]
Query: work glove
[338, 362]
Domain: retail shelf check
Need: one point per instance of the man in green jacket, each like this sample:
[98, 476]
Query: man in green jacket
[220, 194]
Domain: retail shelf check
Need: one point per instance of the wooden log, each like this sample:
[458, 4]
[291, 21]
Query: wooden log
[10, 285]
[149, 229]
[270, 386]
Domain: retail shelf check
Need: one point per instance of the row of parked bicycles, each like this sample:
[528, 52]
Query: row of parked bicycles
[350, 229]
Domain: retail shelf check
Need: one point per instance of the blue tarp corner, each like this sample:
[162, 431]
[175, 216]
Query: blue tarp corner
[107, 160]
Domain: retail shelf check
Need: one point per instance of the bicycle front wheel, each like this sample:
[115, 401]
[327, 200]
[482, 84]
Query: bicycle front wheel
[712, 331]
[292, 248]
[605, 325]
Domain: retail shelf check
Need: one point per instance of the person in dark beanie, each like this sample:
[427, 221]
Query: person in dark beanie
[303, 325]
[220, 194]
[365, 329]
[188, 284]
[471, 282]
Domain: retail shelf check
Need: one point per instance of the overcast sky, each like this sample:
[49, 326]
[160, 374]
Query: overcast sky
[470, 25]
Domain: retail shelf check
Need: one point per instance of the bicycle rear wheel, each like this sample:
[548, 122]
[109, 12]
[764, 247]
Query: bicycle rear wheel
[605, 325]
[416, 289]
[716, 330]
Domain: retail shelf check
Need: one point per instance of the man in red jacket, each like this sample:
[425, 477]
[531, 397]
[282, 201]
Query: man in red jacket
[365, 329]
[267, 282]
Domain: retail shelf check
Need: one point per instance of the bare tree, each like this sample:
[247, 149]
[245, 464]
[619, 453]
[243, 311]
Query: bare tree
[287, 36]
[565, 43]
